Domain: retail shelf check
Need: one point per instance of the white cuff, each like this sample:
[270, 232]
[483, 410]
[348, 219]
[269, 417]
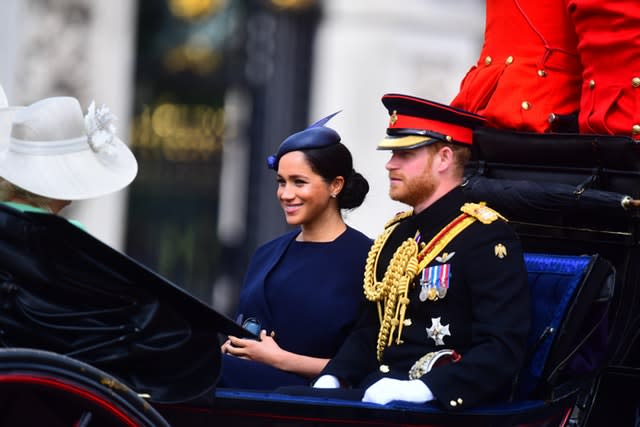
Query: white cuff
[327, 381]
[388, 389]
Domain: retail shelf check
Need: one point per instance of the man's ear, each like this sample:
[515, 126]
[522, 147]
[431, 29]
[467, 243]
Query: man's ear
[446, 157]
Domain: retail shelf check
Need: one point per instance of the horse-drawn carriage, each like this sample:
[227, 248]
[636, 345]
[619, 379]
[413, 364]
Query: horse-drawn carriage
[90, 337]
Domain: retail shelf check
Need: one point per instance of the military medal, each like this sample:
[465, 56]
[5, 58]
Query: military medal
[434, 282]
[438, 331]
[424, 288]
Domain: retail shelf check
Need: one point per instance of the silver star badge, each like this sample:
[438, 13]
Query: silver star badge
[438, 331]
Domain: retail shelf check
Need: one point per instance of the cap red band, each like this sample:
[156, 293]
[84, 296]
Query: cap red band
[458, 133]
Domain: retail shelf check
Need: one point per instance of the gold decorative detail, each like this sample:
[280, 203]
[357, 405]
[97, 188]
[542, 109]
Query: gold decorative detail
[192, 10]
[427, 362]
[293, 4]
[445, 257]
[393, 118]
[398, 217]
[542, 73]
[500, 250]
[449, 138]
[407, 261]
[635, 82]
[384, 369]
[483, 213]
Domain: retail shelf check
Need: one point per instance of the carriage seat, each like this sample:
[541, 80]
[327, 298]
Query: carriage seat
[567, 345]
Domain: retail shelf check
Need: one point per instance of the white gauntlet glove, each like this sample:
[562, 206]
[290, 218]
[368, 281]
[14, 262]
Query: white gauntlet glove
[387, 389]
[327, 381]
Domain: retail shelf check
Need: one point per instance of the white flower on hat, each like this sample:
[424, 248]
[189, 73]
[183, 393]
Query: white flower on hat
[101, 129]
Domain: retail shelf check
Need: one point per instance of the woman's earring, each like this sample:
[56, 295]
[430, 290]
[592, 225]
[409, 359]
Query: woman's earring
[333, 196]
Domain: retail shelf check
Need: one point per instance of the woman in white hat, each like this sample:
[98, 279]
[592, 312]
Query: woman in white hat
[56, 155]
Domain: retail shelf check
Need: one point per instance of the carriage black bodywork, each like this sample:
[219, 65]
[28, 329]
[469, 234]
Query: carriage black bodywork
[90, 337]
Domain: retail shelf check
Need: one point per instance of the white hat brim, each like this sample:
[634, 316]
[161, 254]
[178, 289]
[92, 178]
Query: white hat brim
[6, 117]
[70, 176]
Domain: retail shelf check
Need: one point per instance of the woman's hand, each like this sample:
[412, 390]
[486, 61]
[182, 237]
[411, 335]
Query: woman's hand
[265, 351]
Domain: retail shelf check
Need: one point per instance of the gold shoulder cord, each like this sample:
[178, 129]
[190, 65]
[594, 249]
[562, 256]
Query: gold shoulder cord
[391, 293]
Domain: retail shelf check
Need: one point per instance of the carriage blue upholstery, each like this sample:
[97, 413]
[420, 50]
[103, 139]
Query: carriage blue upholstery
[557, 284]
[553, 282]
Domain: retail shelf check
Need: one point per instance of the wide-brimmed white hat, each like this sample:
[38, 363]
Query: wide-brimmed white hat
[56, 152]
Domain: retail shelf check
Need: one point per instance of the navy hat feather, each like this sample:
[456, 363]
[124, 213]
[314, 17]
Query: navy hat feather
[314, 136]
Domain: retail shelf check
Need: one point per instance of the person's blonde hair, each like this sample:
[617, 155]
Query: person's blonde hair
[10, 191]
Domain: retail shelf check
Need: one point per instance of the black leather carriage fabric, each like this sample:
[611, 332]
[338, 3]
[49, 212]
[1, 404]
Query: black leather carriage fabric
[64, 291]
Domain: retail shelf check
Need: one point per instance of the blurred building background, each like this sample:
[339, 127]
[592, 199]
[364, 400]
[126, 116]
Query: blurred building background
[205, 90]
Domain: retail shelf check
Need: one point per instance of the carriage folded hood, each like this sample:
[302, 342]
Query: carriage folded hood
[63, 290]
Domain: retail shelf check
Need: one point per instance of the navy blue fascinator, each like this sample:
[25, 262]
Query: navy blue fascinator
[314, 136]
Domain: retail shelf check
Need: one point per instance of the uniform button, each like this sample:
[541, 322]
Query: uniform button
[509, 60]
[542, 73]
[552, 118]
[460, 401]
[525, 105]
[449, 138]
[635, 129]
[407, 322]
[635, 82]
[453, 403]
[592, 84]
[384, 369]
[487, 60]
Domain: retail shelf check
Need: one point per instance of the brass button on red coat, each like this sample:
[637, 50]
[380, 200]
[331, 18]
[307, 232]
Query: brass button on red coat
[542, 73]
[509, 60]
[525, 105]
[592, 84]
[487, 60]
[635, 129]
[635, 82]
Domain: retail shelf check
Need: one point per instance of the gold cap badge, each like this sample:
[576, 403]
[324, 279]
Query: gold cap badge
[393, 119]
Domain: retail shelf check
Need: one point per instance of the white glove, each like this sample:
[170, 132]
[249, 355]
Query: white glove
[327, 381]
[385, 390]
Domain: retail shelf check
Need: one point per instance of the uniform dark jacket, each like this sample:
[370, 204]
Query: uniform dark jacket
[486, 310]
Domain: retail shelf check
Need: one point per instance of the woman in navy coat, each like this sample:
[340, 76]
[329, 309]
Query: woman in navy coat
[302, 291]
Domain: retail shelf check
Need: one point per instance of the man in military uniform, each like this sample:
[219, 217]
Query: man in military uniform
[450, 306]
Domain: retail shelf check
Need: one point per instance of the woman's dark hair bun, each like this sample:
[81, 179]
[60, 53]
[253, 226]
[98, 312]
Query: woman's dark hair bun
[355, 190]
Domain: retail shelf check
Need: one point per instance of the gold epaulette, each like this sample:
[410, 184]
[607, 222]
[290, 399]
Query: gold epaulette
[481, 212]
[399, 217]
